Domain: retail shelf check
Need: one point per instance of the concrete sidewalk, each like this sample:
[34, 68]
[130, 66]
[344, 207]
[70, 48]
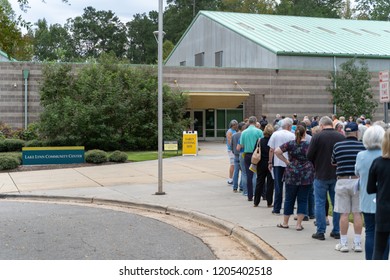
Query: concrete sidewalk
[194, 183]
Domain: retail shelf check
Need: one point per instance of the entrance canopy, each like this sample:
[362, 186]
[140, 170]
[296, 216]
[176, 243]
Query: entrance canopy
[215, 99]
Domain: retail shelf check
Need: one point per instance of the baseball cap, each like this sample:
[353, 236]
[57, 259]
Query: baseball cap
[351, 126]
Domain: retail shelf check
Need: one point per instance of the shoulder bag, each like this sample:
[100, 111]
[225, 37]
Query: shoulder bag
[256, 156]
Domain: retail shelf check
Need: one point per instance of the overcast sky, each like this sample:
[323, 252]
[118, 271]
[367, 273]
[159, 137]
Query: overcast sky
[55, 11]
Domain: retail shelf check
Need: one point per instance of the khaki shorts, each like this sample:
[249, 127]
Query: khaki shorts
[231, 157]
[346, 200]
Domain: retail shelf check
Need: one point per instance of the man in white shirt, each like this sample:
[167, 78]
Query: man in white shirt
[277, 139]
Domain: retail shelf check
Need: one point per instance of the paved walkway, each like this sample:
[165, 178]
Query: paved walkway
[192, 183]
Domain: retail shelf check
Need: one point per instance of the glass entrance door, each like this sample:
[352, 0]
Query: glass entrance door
[210, 123]
[199, 123]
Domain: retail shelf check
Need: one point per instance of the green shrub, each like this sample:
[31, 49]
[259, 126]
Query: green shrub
[6, 130]
[3, 147]
[35, 143]
[11, 145]
[96, 156]
[60, 142]
[118, 156]
[8, 162]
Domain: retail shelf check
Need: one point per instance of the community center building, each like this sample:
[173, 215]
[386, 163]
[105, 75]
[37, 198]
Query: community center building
[236, 64]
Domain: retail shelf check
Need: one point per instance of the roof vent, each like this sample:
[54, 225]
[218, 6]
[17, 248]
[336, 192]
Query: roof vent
[351, 31]
[300, 28]
[245, 26]
[370, 32]
[273, 27]
[326, 30]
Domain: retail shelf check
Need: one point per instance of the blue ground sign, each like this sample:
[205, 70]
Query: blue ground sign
[52, 155]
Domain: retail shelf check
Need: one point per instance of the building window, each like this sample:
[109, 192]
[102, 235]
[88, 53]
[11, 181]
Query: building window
[199, 59]
[218, 59]
[182, 63]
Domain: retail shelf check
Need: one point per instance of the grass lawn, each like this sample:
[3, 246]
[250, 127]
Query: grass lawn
[150, 155]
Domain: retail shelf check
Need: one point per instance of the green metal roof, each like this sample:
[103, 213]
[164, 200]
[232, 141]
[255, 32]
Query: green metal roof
[293, 35]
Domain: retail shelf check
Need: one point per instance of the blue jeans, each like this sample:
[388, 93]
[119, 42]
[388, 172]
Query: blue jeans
[369, 222]
[321, 189]
[310, 202]
[278, 191]
[236, 171]
[298, 193]
[243, 186]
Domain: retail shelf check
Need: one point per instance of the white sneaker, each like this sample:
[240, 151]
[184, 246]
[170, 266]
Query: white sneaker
[230, 181]
[342, 247]
[357, 247]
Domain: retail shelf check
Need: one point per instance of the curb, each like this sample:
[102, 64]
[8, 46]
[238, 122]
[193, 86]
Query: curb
[249, 240]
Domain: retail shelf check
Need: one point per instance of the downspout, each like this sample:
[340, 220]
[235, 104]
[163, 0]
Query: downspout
[25, 76]
[334, 83]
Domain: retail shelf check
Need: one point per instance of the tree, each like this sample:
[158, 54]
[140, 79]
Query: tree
[24, 4]
[179, 14]
[311, 8]
[248, 6]
[353, 95]
[96, 32]
[52, 43]
[142, 44]
[373, 9]
[167, 48]
[11, 40]
[348, 11]
[107, 105]
[7, 9]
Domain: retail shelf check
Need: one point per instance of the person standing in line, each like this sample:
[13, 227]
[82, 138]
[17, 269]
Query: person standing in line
[263, 173]
[243, 184]
[368, 123]
[277, 119]
[347, 194]
[277, 139]
[320, 153]
[340, 128]
[229, 134]
[248, 141]
[314, 122]
[235, 140]
[372, 141]
[299, 176]
[342, 121]
[335, 120]
[379, 183]
[362, 128]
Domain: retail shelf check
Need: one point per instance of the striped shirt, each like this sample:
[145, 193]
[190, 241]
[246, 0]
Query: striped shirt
[344, 155]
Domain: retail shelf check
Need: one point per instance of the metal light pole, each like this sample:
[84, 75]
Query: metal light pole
[25, 76]
[160, 99]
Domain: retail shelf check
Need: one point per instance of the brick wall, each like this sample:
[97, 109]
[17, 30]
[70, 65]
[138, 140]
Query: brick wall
[271, 92]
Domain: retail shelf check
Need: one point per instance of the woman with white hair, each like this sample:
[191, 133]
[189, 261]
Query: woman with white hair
[372, 141]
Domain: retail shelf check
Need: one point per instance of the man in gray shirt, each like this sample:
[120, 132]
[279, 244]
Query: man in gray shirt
[235, 141]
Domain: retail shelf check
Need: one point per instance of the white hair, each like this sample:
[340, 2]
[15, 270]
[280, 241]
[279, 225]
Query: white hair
[372, 137]
[286, 122]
